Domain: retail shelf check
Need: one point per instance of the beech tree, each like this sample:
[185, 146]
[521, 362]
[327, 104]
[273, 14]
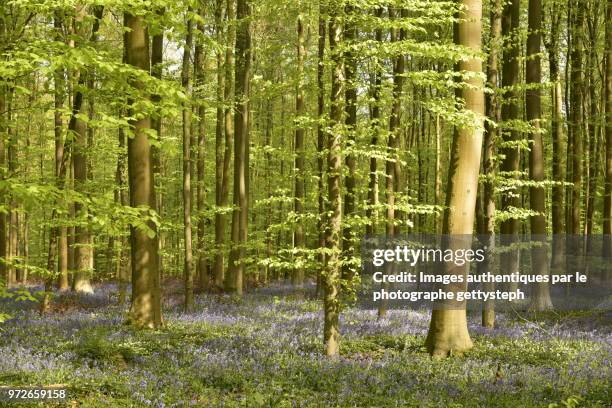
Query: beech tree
[334, 167]
[145, 309]
[448, 330]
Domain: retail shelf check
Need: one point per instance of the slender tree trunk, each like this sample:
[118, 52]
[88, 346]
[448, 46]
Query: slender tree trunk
[372, 211]
[157, 59]
[228, 118]
[438, 176]
[12, 142]
[83, 239]
[537, 194]
[510, 112]
[558, 190]
[220, 175]
[448, 332]
[491, 137]
[392, 167]
[121, 269]
[607, 206]
[268, 176]
[331, 301]
[120, 198]
[577, 117]
[298, 235]
[350, 109]
[592, 119]
[145, 309]
[234, 280]
[62, 283]
[3, 250]
[321, 139]
[25, 246]
[188, 254]
[202, 266]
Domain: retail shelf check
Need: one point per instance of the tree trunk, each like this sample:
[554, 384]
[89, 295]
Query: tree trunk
[607, 210]
[540, 298]
[188, 250]
[83, 239]
[298, 236]
[392, 167]
[321, 140]
[145, 309]
[12, 143]
[491, 137]
[120, 198]
[375, 116]
[592, 119]
[228, 119]
[448, 332]
[558, 190]
[234, 280]
[202, 266]
[3, 172]
[58, 78]
[220, 174]
[577, 117]
[510, 112]
[157, 59]
[350, 108]
[331, 301]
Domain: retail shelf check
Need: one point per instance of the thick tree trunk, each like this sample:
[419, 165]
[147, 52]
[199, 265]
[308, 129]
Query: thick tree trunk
[448, 332]
[331, 300]
[145, 309]
[234, 280]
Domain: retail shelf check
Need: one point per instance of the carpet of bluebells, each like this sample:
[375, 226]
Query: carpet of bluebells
[265, 350]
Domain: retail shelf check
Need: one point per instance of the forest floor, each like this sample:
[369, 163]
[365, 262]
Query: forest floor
[265, 350]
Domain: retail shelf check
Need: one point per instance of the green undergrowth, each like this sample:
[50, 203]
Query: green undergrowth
[272, 357]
